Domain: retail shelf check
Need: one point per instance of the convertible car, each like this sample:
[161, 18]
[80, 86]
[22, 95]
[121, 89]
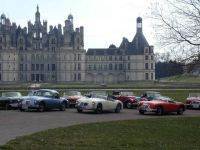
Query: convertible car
[161, 106]
[193, 101]
[127, 98]
[10, 100]
[98, 101]
[72, 97]
[42, 100]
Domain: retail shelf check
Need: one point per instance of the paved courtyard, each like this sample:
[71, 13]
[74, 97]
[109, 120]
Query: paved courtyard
[15, 123]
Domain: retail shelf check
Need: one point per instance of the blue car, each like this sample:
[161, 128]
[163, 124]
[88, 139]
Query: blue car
[43, 99]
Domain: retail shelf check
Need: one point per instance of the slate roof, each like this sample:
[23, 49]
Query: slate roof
[136, 47]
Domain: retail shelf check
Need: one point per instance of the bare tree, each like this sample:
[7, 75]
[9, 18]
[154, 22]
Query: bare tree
[177, 27]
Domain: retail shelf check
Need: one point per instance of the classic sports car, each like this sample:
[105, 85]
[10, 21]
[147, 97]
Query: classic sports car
[161, 106]
[193, 101]
[150, 95]
[127, 98]
[98, 101]
[42, 100]
[10, 100]
[72, 97]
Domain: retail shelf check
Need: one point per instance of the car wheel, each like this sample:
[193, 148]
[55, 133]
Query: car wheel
[41, 107]
[159, 111]
[129, 105]
[180, 111]
[99, 109]
[141, 112]
[79, 110]
[118, 108]
[62, 107]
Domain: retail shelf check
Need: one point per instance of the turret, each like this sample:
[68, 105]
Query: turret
[139, 24]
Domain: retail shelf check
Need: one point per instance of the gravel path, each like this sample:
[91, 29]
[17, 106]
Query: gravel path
[15, 123]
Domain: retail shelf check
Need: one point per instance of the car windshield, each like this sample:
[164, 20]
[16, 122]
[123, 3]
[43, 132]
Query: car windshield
[194, 95]
[11, 94]
[127, 93]
[72, 93]
[43, 93]
[99, 94]
[155, 95]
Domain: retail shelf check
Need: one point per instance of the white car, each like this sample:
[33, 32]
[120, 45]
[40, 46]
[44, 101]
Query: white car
[99, 101]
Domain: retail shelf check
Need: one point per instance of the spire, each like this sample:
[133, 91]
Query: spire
[37, 8]
[37, 15]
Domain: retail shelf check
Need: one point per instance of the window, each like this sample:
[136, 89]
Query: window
[152, 58]
[146, 50]
[21, 48]
[1, 40]
[48, 68]
[151, 76]
[37, 67]
[146, 76]
[79, 66]
[0, 77]
[0, 66]
[151, 65]
[33, 67]
[79, 76]
[128, 57]
[120, 66]
[40, 35]
[105, 67]
[32, 77]
[110, 58]
[129, 66]
[115, 66]
[1, 47]
[34, 35]
[110, 66]
[53, 66]
[42, 67]
[95, 67]
[146, 57]
[89, 67]
[120, 58]
[42, 77]
[26, 68]
[146, 66]
[21, 67]
[79, 56]
[74, 77]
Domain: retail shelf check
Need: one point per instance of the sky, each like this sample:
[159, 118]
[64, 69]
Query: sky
[105, 21]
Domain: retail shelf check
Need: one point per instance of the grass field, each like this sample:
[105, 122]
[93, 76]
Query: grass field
[183, 78]
[155, 134]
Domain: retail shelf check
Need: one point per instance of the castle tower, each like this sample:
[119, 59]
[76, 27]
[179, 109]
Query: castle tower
[139, 24]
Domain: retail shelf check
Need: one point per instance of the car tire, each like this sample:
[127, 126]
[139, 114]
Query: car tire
[180, 111]
[41, 107]
[129, 105]
[141, 112]
[62, 106]
[160, 111]
[118, 108]
[99, 109]
[79, 110]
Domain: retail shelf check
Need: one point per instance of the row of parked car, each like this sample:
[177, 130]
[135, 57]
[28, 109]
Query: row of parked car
[98, 101]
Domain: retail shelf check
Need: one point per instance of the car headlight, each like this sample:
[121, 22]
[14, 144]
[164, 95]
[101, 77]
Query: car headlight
[93, 103]
[36, 102]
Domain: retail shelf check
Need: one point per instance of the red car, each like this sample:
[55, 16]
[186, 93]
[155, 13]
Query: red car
[72, 97]
[162, 106]
[127, 98]
[193, 101]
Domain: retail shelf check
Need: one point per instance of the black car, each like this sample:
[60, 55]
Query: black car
[10, 100]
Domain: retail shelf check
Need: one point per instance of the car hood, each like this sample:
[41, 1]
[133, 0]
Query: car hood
[9, 98]
[38, 98]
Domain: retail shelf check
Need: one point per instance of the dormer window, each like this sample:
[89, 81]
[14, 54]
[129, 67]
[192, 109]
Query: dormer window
[146, 50]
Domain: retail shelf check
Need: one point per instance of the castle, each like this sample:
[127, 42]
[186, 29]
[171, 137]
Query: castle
[34, 54]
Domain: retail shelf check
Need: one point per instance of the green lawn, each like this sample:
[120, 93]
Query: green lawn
[183, 78]
[156, 134]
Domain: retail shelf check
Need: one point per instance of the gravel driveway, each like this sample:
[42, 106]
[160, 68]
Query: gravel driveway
[15, 123]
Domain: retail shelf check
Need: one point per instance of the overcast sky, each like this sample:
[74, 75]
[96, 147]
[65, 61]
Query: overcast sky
[105, 21]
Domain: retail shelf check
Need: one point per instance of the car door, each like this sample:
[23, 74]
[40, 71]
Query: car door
[171, 106]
